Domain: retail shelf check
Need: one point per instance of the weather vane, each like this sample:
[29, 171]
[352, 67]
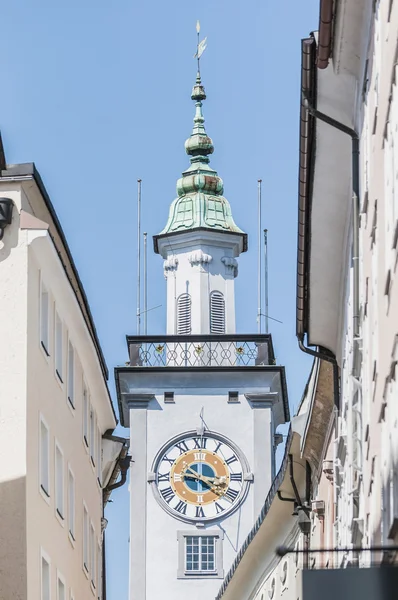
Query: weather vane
[200, 47]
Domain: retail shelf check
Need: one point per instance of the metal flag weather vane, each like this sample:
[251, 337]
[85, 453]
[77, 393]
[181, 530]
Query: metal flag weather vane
[200, 47]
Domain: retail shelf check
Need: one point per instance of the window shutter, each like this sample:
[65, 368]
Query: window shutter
[217, 313]
[184, 314]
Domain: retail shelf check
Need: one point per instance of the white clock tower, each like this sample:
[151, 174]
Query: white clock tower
[202, 403]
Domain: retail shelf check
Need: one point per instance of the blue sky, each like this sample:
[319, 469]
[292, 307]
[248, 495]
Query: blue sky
[97, 94]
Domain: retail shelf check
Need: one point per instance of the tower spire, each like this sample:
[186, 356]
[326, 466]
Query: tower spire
[200, 203]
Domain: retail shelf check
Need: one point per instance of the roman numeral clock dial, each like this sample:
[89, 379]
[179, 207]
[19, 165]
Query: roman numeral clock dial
[200, 478]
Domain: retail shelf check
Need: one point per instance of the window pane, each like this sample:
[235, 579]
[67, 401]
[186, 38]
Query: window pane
[71, 374]
[59, 482]
[71, 504]
[44, 313]
[61, 590]
[99, 573]
[44, 458]
[45, 579]
[58, 346]
[93, 558]
[99, 456]
[200, 553]
[85, 538]
[92, 435]
[85, 416]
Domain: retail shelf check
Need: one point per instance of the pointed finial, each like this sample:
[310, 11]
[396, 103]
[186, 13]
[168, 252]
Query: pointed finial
[200, 47]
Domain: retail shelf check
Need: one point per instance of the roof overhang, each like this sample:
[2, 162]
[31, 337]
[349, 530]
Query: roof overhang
[324, 201]
[164, 242]
[149, 382]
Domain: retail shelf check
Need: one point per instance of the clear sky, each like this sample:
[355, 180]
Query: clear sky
[97, 94]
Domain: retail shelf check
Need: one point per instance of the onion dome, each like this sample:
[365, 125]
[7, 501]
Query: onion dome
[200, 202]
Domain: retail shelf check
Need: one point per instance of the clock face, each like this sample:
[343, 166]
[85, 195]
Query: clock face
[200, 478]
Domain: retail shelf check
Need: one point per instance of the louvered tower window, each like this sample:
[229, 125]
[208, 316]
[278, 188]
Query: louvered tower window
[217, 313]
[184, 314]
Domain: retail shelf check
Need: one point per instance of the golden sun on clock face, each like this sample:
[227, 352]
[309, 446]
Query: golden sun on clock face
[200, 478]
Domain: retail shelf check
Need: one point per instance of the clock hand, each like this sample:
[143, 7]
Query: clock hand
[199, 476]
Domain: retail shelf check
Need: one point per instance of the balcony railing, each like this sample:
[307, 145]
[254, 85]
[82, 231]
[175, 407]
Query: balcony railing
[201, 351]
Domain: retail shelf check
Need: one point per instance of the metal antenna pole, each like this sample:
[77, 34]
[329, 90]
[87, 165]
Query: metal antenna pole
[259, 258]
[145, 286]
[266, 278]
[139, 257]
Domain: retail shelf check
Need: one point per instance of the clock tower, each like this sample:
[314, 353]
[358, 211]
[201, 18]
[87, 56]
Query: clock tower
[202, 403]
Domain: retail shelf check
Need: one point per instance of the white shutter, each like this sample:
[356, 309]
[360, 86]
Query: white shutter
[217, 313]
[184, 314]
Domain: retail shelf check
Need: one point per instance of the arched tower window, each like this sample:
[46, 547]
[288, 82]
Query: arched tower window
[217, 313]
[184, 314]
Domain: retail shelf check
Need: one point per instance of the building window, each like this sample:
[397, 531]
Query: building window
[200, 555]
[61, 591]
[44, 320]
[99, 572]
[184, 314]
[44, 458]
[59, 482]
[71, 374]
[45, 578]
[92, 435]
[85, 417]
[85, 539]
[99, 456]
[93, 557]
[71, 504]
[58, 347]
[217, 313]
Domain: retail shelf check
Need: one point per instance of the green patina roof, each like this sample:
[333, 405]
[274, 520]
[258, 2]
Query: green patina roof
[200, 202]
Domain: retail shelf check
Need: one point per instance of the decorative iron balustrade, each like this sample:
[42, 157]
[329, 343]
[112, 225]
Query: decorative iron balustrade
[201, 351]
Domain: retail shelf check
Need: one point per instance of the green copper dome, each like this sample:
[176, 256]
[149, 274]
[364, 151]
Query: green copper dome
[200, 202]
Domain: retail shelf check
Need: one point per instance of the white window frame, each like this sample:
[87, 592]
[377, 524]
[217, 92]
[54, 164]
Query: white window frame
[44, 319]
[99, 571]
[44, 478]
[86, 412]
[93, 426]
[45, 558]
[58, 346]
[86, 543]
[71, 504]
[92, 555]
[71, 374]
[59, 481]
[99, 456]
[61, 579]
[218, 572]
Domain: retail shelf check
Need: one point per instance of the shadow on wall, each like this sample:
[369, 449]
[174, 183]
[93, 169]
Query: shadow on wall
[10, 239]
[13, 571]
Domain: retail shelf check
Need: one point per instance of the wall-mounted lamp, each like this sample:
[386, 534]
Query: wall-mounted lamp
[6, 206]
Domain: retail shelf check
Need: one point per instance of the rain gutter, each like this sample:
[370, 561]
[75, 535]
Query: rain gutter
[325, 33]
[306, 163]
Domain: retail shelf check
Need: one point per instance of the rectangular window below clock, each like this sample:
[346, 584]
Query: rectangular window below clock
[200, 555]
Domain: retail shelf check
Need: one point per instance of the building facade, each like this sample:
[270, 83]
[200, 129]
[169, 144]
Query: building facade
[203, 403]
[55, 407]
[347, 318]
